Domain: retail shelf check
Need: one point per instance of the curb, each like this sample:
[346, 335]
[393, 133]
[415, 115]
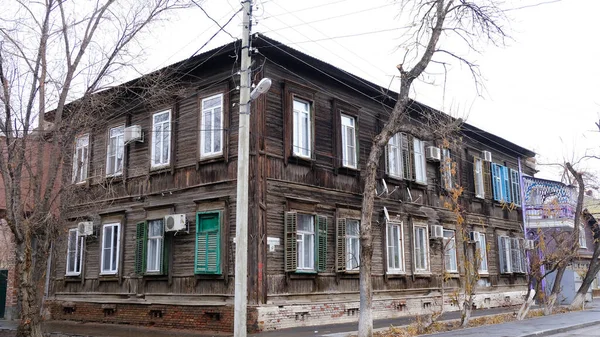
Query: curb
[551, 332]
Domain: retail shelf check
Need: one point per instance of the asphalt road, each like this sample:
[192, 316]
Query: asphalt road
[584, 332]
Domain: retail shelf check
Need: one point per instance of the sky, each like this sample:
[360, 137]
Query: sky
[539, 87]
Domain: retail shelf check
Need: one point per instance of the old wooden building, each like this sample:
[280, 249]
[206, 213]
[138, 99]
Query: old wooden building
[150, 237]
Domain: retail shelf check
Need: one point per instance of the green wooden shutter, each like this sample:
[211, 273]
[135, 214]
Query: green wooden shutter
[208, 243]
[290, 255]
[140, 247]
[164, 262]
[487, 179]
[321, 243]
[340, 249]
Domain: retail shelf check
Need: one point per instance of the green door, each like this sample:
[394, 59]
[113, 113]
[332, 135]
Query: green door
[3, 286]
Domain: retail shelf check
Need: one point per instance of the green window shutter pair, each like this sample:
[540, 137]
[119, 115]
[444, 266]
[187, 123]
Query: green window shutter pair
[340, 248]
[290, 242]
[208, 243]
[408, 156]
[141, 250]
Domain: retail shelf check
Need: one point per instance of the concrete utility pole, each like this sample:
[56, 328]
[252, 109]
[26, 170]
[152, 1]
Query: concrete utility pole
[241, 223]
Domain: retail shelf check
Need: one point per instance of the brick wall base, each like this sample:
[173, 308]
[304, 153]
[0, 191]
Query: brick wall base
[201, 318]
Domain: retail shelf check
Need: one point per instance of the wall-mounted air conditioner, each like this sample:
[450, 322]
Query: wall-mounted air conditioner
[474, 236]
[85, 228]
[433, 153]
[437, 232]
[175, 222]
[487, 155]
[529, 244]
[133, 134]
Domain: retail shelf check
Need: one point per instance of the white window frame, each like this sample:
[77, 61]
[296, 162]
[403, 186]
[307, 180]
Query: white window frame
[479, 188]
[80, 173]
[114, 248]
[424, 250]
[419, 157]
[481, 244]
[160, 243]
[301, 237]
[450, 258]
[216, 131]
[119, 149]
[349, 155]
[446, 168]
[76, 269]
[299, 135]
[352, 241]
[395, 248]
[163, 162]
[395, 147]
[582, 239]
[507, 254]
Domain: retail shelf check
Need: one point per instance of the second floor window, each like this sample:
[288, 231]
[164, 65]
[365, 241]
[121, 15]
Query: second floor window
[110, 248]
[419, 155]
[211, 135]
[302, 129]
[114, 153]
[478, 173]
[348, 141]
[515, 187]
[81, 158]
[446, 168]
[394, 156]
[161, 138]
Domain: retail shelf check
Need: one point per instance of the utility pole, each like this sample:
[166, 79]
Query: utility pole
[241, 223]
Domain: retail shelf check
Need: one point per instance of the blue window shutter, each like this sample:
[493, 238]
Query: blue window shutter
[495, 180]
[505, 184]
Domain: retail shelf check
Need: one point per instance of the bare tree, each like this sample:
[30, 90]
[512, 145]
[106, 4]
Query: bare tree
[470, 23]
[50, 52]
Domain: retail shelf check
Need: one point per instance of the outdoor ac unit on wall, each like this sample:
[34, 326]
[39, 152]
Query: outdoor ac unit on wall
[85, 228]
[175, 222]
[133, 134]
[433, 153]
[487, 155]
[474, 236]
[529, 244]
[437, 232]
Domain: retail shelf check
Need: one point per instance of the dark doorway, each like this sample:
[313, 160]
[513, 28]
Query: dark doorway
[3, 286]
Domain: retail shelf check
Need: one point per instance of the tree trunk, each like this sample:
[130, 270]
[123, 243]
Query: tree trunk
[524, 310]
[590, 275]
[549, 309]
[30, 325]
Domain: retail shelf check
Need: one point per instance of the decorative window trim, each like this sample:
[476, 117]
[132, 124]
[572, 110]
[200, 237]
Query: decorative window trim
[427, 269]
[291, 91]
[167, 161]
[120, 144]
[343, 109]
[79, 249]
[115, 248]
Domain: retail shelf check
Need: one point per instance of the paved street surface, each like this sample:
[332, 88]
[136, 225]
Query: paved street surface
[584, 332]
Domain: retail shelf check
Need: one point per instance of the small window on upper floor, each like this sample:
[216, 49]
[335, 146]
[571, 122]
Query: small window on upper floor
[81, 158]
[161, 139]
[419, 159]
[582, 241]
[302, 132]
[447, 171]
[115, 151]
[211, 133]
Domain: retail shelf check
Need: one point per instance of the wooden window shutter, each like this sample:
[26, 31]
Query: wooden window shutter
[496, 181]
[208, 243]
[476, 186]
[290, 255]
[487, 180]
[514, 255]
[321, 243]
[340, 249]
[505, 184]
[502, 255]
[164, 262]
[523, 256]
[140, 248]
[408, 157]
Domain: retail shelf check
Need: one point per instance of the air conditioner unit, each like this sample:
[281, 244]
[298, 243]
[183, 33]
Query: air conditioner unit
[529, 244]
[175, 222]
[433, 153]
[85, 228]
[487, 155]
[133, 134]
[437, 232]
[474, 236]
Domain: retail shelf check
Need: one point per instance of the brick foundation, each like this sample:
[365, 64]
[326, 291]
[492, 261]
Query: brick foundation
[202, 318]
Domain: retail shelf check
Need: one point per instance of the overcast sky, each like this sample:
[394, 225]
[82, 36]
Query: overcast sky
[540, 89]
